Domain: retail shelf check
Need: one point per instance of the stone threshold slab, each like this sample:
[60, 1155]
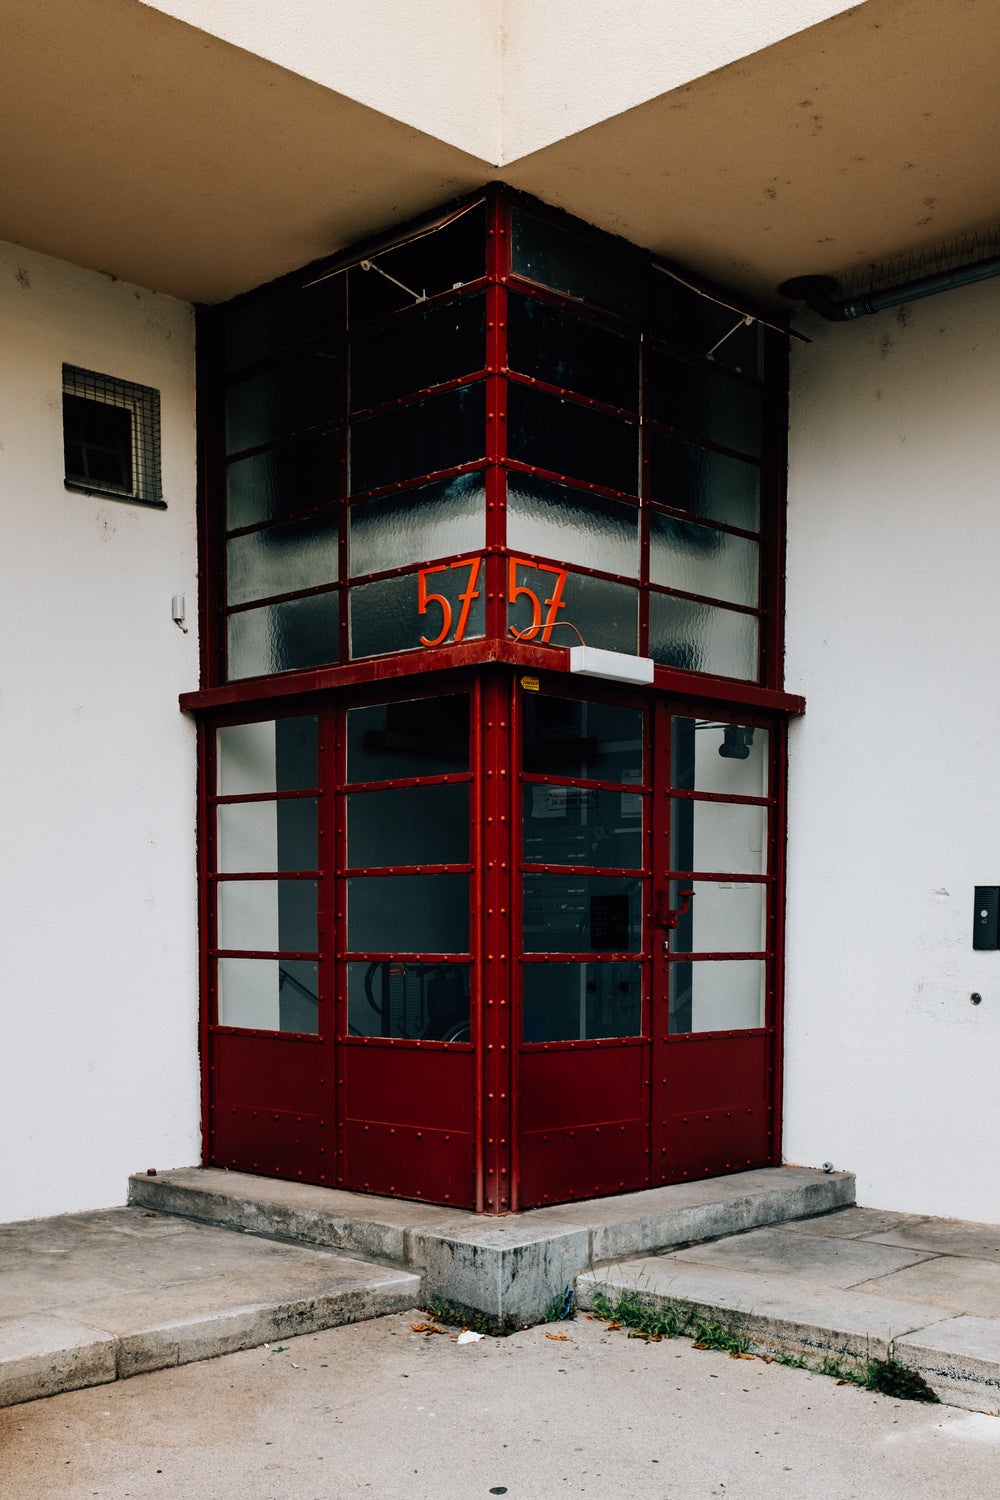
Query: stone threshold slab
[513, 1267]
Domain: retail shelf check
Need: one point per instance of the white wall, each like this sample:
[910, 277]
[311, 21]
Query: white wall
[893, 569]
[98, 968]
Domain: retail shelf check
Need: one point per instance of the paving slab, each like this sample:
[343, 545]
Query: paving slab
[954, 1282]
[41, 1354]
[959, 1359]
[857, 1223]
[943, 1237]
[827, 1259]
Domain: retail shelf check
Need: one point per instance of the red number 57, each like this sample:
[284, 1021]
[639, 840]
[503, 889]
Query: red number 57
[471, 592]
[517, 591]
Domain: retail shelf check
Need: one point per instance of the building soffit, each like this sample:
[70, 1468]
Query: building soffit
[139, 145]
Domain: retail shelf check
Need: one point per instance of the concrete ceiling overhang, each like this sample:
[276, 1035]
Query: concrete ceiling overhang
[138, 145]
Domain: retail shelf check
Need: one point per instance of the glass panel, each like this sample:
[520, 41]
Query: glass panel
[418, 525]
[718, 836]
[588, 530]
[267, 915]
[707, 484]
[573, 353]
[591, 270]
[697, 324]
[571, 440]
[723, 916]
[297, 476]
[269, 994]
[436, 262]
[282, 559]
[712, 757]
[261, 836]
[579, 825]
[287, 399]
[289, 315]
[717, 996]
[702, 638]
[699, 560]
[590, 741]
[705, 402]
[418, 737]
[429, 1002]
[413, 825]
[570, 1002]
[408, 913]
[419, 438]
[582, 914]
[284, 637]
[419, 350]
[606, 614]
[277, 755]
[385, 616]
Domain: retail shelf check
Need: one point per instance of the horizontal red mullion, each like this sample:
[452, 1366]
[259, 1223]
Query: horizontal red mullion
[449, 779]
[716, 876]
[688, 794]
[331, 507]
[532, 778]
[312, 954]
[673, 957]
[377, 870]
[417, 1044]
[674, 511]
[630, 579]
[576, 397]
[687, 436]
[663, 345]
[396, 488]
[586, 310]
[583, 1042]
[268, 875]
[286, 439]
[285, 1036]
[689, 1036]
[571, 481]
[362, 413]
[417, 567]
[730, 691]
[736, 609]
[233, 799]
[406, 958]
[438, 299]
[590, 958]
[321, 588]
[612, 871]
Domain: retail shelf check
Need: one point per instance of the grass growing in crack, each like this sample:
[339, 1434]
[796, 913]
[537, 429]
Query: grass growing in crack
[891, 1378]
[560, 1306]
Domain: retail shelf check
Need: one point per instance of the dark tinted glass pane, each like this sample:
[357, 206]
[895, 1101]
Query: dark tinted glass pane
[592, 741]
[704, 402]
[287, 316]
[419, 1002]
[574, 353]
[284, 400]
[570, 1002]
[295, 477]
[385, 616]
[409, 825]
[283, 637]
[605, 614]
[282, 559]
[549, 432]
[419, 438]
[702, 638]
[697, 324]
[591, 270]
[97, 442]
[589, 530]
[582, 914]
[702, 482]
[434, 263]
[582, 825]
[420, 350]
[408, 913]
[428, 521]
[419, 737]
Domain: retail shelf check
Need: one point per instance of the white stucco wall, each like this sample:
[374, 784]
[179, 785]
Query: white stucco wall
[98, 966]
[893, 569]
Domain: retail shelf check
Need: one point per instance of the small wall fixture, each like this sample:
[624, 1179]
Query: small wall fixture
[616, 666]
[178, 611]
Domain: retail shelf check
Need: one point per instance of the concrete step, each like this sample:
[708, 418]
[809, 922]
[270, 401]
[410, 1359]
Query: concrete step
[510, 1268]
[854, 1285]
[90, 1298]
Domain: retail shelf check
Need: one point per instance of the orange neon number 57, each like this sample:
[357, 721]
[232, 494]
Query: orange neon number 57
[517, 591]
[424, 599]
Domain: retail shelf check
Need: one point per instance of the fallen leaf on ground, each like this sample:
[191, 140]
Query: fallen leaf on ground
[561, 1338]
[612, 1327]
[736, 1355]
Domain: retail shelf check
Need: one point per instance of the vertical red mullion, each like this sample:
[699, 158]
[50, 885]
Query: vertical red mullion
[497, 266]
[773, 513]
[206, 785]
[477, 852]
[776, 960]
[333, 774]
[649, 929]
[343, 489]
[496, 1033]
[660, 817]
[645, 483]
[326, 939]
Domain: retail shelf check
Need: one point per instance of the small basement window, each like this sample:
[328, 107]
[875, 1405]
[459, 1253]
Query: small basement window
[111, 437]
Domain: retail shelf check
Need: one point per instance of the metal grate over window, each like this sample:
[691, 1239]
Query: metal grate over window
[111, 437]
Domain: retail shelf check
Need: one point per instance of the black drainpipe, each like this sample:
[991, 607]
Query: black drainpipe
[818, 291]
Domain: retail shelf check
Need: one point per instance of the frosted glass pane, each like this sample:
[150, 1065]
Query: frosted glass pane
[419, 525]
[385, 615]
[591, 270]
[269, 994]
[426, 1002]
[408, 914]
[711, 757]
[702, 638]
[728, 837]
[606, 614]
[426, 347]
[570, 1002]
[573, 353]
[572, 440]
[407, 442]
[287, 399]
[254, 837]
[589, 531]
[700, 560]
[703, 482]
[282, 480]
[724, 916]
[276, 755]
[267, 915]
[283, 637]
[717, 996]
[282, 559]
[704, 402]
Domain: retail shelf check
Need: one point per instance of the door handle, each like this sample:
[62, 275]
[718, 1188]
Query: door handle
[668, 916]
